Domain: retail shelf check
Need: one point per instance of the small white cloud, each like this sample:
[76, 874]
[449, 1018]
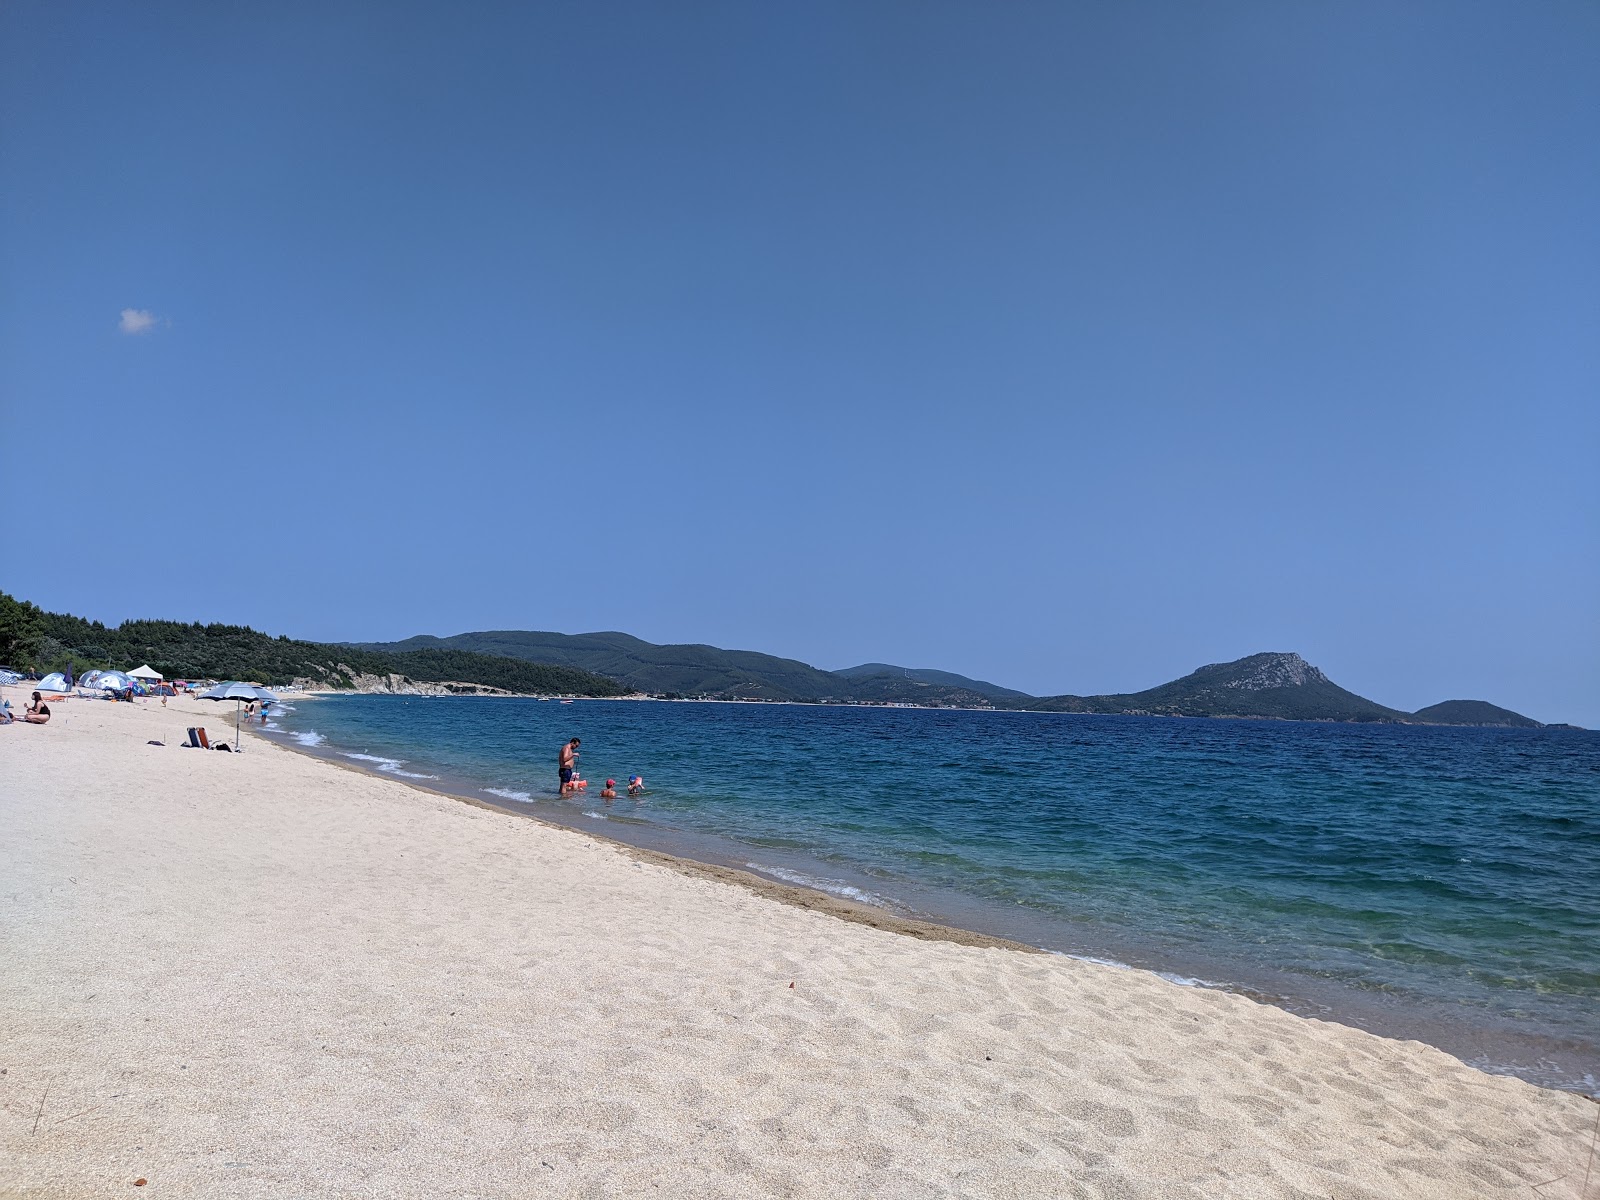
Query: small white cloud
[137, 320]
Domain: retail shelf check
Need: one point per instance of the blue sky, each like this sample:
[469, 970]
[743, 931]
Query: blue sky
[1068, 346]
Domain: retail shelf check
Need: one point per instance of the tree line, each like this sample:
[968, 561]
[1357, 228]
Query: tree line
[32, 639]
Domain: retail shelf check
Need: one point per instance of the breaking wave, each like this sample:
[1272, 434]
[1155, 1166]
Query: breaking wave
[834, 887]
[509, 794]
[390, 766]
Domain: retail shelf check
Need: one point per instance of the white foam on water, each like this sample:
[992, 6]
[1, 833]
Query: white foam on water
[1186, 980]
[390, 766]
[834, 887]
[508, 794]
[597, 816]
[308, 737]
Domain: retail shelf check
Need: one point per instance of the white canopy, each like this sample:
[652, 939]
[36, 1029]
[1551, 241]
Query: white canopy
[145, 672]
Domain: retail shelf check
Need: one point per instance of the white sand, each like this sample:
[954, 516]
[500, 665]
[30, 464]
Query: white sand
[262, 975]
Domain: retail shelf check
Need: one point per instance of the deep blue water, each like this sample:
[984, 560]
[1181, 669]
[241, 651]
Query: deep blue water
[1442, 884]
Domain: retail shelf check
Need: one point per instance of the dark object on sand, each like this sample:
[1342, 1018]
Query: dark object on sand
[197, 738]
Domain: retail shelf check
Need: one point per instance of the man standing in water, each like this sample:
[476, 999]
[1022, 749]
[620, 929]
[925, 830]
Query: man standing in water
[567, 762]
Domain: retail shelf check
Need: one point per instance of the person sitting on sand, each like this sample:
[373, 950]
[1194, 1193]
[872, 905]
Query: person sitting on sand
[37, 713]
[635, 785]
[567, 764]
[610, 792]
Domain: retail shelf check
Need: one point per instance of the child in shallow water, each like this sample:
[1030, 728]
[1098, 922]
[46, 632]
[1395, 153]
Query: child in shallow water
[611, 790]
[635, 785]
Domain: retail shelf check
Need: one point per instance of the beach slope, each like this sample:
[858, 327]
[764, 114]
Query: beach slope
[262, 975]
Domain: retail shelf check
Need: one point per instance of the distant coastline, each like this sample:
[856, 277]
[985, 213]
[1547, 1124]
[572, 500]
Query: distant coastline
[1265, 686]
[636, 697]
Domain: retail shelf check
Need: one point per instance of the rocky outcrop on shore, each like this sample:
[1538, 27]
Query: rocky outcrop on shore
[398, 685]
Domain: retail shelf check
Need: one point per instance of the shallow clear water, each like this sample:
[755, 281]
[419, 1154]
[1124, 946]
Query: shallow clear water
[1442, 884]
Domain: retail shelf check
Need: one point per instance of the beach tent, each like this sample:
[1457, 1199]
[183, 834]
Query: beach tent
[238, 692]
[145, 672]
[54, 682]
[113, 681]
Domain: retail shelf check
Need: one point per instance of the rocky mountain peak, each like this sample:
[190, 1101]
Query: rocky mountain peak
[1262, 671]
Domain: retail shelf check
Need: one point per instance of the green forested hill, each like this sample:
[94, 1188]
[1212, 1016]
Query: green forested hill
[688, 670]
[950, 679]
[1472, 712]
[696, 670]
[30, 637]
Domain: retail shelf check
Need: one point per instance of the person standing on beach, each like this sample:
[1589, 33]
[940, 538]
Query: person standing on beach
[566, 764]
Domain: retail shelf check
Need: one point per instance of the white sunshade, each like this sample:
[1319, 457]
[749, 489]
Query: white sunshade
[145, 672]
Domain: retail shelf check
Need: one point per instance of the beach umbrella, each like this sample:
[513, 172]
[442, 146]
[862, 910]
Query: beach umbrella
[113, 681]
[239, 693]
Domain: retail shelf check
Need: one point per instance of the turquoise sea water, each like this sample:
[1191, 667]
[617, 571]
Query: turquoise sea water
[1442, 884]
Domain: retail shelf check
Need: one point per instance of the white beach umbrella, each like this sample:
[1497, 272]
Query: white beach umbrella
[238, 692]
[112, 681]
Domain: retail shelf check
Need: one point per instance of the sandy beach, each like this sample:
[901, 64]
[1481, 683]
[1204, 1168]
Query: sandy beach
[264, 975]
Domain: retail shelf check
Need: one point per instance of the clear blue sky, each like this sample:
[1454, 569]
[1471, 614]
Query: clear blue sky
[1066, 345]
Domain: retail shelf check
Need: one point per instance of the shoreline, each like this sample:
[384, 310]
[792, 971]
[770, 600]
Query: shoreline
[248, 975]
[1506, 1053]
[794, 895]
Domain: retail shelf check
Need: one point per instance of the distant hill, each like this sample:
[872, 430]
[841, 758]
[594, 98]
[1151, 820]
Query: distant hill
[644, 666]
[1473, 712]
[1274, 686]
[709, 671]
[942, 678]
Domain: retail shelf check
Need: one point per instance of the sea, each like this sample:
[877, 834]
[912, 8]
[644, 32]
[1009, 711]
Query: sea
[1441, 884]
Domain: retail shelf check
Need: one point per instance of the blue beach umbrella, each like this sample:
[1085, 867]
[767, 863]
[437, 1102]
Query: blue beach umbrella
[238, 692]
[112, 681]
